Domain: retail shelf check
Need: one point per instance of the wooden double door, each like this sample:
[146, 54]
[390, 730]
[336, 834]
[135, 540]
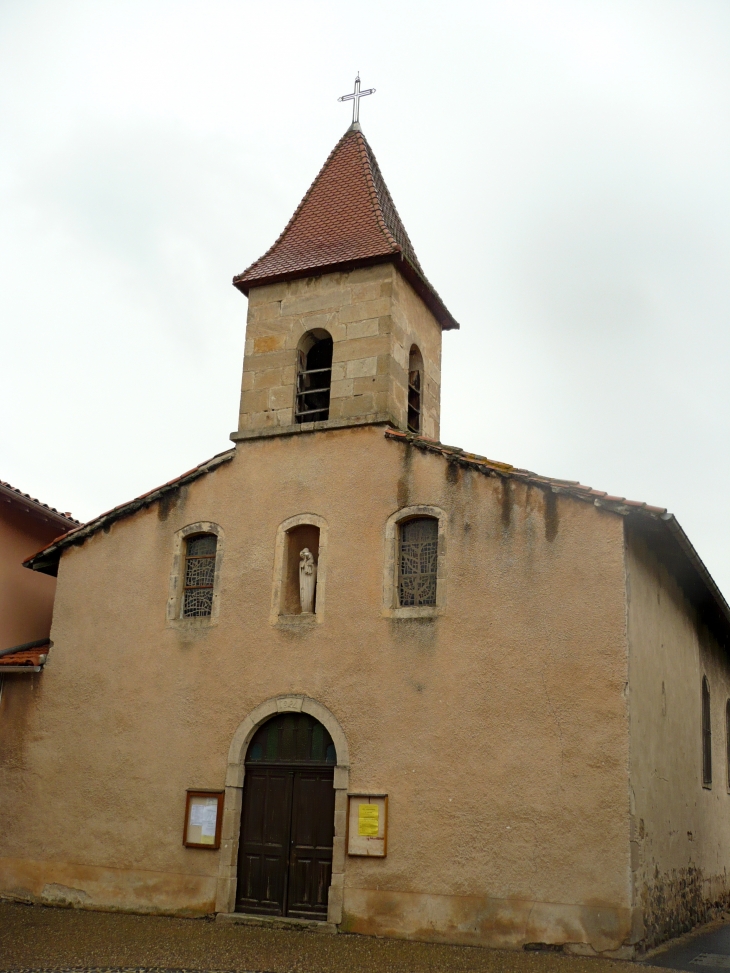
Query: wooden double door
[285, 848]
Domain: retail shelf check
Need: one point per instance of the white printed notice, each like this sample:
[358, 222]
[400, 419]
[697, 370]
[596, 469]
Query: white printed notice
[210, 819]
[204, 815]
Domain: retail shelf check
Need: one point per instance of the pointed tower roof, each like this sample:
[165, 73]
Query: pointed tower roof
[347, 219]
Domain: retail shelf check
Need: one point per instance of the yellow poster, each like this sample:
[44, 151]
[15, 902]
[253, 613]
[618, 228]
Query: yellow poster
[367, 820]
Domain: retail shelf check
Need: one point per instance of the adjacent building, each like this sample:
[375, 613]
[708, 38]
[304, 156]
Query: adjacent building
[26, 599]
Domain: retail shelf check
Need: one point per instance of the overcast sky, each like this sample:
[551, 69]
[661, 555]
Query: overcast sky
[560, 165]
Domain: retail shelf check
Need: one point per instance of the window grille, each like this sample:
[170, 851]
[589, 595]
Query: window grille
[314, 376]
[415, 382]
[418, 561]
[414, 402]
[197, 601]
[706, 735]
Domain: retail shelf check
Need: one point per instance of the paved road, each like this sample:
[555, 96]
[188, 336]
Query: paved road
[700, 953]
[38, 938]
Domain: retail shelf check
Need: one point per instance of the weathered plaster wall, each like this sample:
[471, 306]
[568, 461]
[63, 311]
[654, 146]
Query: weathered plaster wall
[373, 316]
[26, 599]
[680, 830]
[498, 727]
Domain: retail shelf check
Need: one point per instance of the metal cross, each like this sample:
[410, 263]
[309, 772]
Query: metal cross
[355, 97]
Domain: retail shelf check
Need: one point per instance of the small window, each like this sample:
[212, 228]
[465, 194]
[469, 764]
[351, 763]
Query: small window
[415, 382]
[417, 562]
[706, 735]
[200, 551]
[314, 373]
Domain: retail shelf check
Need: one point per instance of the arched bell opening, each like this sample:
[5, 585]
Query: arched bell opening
[415, 390]
[314, 374]
[288, 819]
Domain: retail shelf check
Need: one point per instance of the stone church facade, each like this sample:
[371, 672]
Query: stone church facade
[345, 674]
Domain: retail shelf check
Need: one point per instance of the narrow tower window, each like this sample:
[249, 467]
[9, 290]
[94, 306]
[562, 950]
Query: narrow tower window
[706, 735]
[415, 384]
[200, 551]
[314, 371]
[417, 562]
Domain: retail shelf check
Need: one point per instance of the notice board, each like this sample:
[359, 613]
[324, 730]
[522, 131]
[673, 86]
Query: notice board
[367, 825]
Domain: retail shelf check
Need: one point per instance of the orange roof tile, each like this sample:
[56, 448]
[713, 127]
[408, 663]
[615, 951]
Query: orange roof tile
[346, 219]
[33, 657]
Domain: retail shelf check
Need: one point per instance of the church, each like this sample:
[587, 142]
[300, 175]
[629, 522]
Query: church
[347, 677]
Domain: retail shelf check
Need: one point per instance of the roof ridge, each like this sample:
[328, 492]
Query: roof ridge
[363, 147]
[395, 227]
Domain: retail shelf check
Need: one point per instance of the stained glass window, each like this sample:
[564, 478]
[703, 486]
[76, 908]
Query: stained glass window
[418, 559]
[199, 574]
[292, 738]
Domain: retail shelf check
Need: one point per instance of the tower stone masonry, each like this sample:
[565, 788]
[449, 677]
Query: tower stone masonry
[345, 267]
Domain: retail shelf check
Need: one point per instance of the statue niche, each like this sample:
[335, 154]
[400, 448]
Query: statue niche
[307, 581]
[300, 582]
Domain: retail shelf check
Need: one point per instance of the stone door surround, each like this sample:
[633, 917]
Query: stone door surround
[228, 864]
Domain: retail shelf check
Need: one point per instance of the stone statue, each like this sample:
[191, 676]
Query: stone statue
[307, 580]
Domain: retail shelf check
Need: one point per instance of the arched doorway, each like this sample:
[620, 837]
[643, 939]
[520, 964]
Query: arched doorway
[287, 819]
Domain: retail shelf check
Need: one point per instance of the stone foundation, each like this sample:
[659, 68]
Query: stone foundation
[677, 901]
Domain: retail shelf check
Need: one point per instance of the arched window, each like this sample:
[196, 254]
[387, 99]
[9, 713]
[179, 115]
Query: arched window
[415, 385]
[417, 561]
[706, 735]
[314, 372]
[199, 574]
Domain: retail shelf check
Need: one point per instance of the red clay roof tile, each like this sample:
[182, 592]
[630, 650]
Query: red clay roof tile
[346, 219]
[27, 657]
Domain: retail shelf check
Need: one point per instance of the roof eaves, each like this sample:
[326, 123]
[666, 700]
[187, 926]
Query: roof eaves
[46, 560]
[690, 552]
[36, 507]
[316, 270]
[635, 510]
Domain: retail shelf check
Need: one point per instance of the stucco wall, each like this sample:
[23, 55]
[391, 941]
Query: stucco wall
[498, 728]
[680, 829]
[26, 598]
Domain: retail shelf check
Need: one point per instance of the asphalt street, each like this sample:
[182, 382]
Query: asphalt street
[699, 952]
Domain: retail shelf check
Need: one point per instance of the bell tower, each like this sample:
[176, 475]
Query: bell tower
[343, 326]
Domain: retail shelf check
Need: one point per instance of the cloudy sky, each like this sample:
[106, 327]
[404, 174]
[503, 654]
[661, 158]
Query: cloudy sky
[561, 167]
